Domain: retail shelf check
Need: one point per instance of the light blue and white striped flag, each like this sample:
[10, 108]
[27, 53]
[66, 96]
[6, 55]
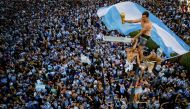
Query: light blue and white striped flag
[168, 41]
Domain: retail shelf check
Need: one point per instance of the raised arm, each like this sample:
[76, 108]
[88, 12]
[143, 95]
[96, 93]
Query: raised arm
[138, 60]
[135, 45]
[133, 21]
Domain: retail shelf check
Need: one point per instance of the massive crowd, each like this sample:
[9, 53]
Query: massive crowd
[41, 44]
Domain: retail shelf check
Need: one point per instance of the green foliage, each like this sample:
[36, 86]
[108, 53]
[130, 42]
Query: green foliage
[174, 59]
[132, 34]
[151, 44]
[185, 60]
[188, 42]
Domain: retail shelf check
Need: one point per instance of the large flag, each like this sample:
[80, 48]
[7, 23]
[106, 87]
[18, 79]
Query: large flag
[168, 41]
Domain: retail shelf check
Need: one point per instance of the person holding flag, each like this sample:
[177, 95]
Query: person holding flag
[146, 24]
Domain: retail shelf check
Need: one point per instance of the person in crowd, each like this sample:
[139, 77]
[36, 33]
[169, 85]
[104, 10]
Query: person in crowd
[41, 43]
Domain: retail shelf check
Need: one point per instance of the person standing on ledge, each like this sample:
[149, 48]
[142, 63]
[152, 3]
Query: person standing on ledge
[145, 33]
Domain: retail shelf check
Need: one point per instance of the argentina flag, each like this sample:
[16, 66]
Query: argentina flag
[168, 41]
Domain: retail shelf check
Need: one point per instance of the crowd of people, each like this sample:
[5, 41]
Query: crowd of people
[41, 44]
[185, 6]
